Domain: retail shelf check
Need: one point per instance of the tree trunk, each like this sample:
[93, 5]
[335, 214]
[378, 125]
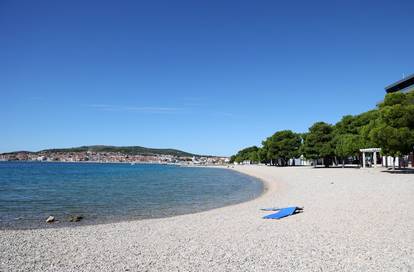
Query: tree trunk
[393, 163]
[326, 162]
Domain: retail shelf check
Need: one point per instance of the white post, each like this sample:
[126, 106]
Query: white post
[375, 159]
[363, 159]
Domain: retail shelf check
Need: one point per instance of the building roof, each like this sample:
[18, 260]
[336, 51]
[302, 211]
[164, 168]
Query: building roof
[374, 149]
[401, 84]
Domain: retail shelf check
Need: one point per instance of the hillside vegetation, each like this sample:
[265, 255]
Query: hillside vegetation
[129, 150]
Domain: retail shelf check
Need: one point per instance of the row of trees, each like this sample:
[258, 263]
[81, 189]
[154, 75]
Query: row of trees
[390, 126]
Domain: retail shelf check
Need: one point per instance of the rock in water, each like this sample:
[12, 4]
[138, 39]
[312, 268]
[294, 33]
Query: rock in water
[50, 219]
[75, 218]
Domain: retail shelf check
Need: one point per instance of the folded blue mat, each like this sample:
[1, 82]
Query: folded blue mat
[281, 213]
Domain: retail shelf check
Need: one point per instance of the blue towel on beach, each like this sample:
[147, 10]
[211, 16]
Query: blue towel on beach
[281, 213]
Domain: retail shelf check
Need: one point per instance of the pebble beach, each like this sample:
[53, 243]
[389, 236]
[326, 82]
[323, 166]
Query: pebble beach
[353, 220]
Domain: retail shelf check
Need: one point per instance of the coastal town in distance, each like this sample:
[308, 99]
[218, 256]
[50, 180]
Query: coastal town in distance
[89, 154]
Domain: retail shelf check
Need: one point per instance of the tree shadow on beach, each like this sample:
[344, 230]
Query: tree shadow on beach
[337, 167]
[399, 171]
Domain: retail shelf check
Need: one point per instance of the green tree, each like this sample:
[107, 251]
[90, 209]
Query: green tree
[318, 143]
[282, 146]
[254, 156]
[353, 124]
[351, 134]
[287, 145]
[394, 131]
[247, 154]
[347, 145]
[393, 141]
[262, 154]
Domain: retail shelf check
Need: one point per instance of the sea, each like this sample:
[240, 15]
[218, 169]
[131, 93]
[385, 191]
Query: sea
[112, 192]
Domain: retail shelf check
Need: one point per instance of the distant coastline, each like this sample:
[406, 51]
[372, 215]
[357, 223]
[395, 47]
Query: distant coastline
[117, 162]
[114, 154]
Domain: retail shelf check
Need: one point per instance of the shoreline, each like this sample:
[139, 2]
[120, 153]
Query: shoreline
[353, 220]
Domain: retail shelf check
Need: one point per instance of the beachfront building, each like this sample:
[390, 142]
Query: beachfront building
[372, 158]
[404, 85]
[301, 161]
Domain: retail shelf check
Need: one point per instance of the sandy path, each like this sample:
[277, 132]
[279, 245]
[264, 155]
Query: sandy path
[354, 220]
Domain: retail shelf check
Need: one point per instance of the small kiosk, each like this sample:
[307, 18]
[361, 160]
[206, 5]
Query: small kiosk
[372, 151]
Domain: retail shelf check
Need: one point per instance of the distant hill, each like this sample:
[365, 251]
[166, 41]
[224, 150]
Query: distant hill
[15, 152]
[130, 150]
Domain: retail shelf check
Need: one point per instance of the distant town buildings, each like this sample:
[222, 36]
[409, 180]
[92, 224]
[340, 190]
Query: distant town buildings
[109, 157]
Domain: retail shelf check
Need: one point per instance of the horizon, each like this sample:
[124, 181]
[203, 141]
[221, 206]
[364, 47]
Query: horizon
[205, 78]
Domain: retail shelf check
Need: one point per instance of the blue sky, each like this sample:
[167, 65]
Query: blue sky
[207, 77]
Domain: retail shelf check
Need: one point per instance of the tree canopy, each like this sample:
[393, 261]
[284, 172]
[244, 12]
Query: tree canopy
[390, 126]
[246, 154]
[394, 131]
[318, 142]
[282, 146]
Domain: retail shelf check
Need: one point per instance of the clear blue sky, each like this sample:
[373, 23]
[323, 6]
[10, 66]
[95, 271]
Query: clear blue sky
[208, 77]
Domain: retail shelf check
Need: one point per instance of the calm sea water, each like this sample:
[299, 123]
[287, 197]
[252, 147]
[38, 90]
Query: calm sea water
[30, 191]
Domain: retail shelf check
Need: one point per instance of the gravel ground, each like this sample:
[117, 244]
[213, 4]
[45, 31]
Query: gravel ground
[354, 220]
